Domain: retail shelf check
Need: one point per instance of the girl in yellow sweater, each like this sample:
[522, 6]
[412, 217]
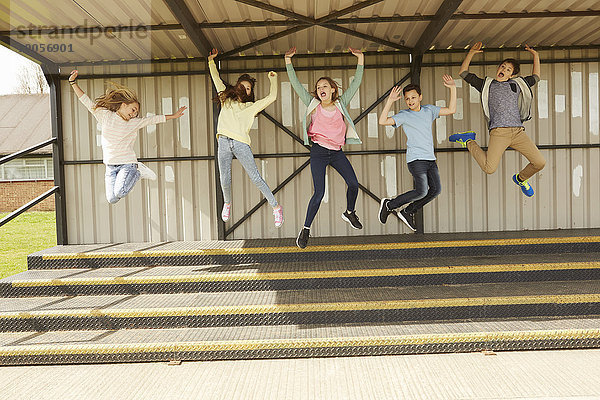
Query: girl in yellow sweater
[238, 110]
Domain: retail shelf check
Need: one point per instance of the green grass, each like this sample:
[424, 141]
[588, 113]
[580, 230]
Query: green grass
[26, 234]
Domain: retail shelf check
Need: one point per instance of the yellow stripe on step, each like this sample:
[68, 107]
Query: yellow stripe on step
[259, 276]
[493, 338]
[336, 248]
[305, 307]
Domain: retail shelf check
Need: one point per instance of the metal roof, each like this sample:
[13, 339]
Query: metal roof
[80, 31]
[24, 122]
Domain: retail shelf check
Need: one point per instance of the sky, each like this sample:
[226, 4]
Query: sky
[9, 67]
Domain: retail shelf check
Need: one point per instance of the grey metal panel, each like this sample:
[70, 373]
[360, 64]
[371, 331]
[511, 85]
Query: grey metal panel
[565, 188]
[179, 204]
[470, 200]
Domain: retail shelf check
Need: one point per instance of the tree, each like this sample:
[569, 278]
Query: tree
[31, 80]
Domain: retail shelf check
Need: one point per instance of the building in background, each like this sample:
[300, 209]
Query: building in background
[25, 122]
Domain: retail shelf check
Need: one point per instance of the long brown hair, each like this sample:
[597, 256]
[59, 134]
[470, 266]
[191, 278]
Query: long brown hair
[237, 92]
[334, 95]
[115, 95]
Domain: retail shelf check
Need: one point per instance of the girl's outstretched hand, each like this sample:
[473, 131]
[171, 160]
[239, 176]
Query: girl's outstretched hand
[356, 52]
[179, 112]
[213, 53]
[272, 74]
[290, 53]
[396, 93]
[448, 81]
[476, 48]
[73, 75]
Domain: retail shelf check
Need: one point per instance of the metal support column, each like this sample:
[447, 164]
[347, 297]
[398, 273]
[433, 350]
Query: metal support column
[52, 76]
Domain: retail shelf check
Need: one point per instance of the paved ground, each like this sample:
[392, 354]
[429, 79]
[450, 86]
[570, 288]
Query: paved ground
[562, 374]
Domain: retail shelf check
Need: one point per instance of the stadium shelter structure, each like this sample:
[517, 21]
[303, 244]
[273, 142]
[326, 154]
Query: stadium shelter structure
[159, 49]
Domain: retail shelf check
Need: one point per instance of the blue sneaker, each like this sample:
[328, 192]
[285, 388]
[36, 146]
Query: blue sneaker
[462, 137]
[525, 186]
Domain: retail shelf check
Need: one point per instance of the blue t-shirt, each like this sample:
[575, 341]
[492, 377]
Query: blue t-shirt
[417, 127]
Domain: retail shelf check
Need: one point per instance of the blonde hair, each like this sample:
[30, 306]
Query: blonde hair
[115, 95]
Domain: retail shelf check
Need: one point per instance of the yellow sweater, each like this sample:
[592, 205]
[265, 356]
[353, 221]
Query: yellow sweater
[235, 118]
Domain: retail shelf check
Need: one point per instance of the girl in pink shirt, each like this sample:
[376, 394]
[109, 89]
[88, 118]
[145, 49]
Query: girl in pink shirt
[117, 112]
[330, 127]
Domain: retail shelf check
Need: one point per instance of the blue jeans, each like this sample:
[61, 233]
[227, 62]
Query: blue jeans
[119, 180]
[427, 186]
[227, 148]
[320, 158]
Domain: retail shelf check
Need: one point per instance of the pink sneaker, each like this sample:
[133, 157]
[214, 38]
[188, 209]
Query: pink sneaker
[226, 212]
[278, 214]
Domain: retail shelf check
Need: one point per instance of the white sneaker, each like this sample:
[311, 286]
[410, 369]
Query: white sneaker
[278, 214]
[145, 172]
[226, 212]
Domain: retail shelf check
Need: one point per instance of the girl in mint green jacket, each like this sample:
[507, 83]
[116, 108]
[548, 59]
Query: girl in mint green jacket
[329, 127]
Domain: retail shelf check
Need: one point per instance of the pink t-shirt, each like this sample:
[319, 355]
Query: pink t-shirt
[328, 128]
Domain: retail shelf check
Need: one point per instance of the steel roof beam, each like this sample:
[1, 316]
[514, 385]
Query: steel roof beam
[336, 21]
[267, 39]
[184, 16]
[312, 22]
[347, 10]
[442, 16]
[277, 10]
[370, 38]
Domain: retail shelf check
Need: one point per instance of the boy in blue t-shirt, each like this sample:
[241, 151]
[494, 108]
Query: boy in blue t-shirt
[416, 122]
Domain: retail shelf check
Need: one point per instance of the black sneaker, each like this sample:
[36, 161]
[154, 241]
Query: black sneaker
[408, 219]
[384, 212]
[352, 219]
[302, 239]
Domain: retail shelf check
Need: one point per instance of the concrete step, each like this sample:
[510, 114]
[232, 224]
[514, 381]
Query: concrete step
[302, 275]
[334, 249]
[315, 306]
[292, 341]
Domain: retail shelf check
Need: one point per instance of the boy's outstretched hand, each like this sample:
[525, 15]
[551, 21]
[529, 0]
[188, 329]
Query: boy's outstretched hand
[213, 53]
[476, 48]
[529, 49]
[448, 81]
[73, 75]
[396, 93]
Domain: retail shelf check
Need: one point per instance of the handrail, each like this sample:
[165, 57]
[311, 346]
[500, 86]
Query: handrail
[26, 151]
[27, 206]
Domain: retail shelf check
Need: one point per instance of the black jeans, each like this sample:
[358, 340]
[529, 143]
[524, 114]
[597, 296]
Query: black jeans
[320, 158]
[427, 186]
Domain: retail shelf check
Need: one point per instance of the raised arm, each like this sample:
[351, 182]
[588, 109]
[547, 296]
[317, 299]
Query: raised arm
[475, 49]
[98, 113]
[156, 119]
[263, 103]
[536, 61]
[360, 67]
[73, 83]
[395, 94]
[451, 109]
[304, 95]
[214, 73]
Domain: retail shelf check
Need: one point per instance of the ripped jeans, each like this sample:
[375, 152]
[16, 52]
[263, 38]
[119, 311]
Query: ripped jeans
[119, 180]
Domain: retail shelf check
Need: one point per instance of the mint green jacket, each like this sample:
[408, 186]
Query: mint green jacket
[311, 103]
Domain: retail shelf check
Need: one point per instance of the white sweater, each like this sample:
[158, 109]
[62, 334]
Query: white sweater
[118, 135]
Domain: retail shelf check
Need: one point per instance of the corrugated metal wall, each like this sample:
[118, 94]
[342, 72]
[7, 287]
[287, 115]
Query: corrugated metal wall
[181, 205]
